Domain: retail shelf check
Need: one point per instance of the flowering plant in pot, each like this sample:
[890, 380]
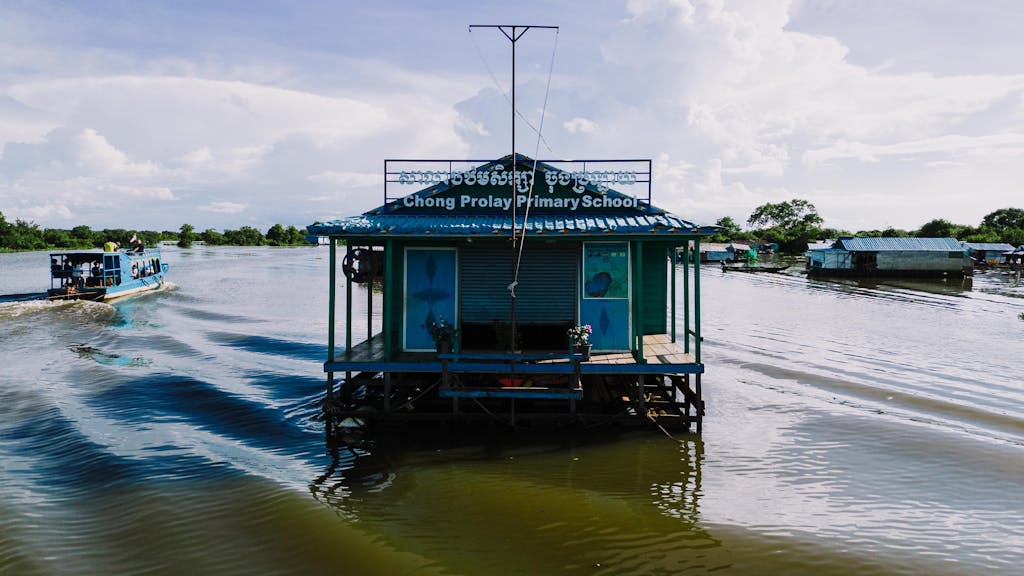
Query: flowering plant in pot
[579, 337]
[443, 333]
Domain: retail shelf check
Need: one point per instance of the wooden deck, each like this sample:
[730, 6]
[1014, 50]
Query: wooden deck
[661, 356]
[538, 387]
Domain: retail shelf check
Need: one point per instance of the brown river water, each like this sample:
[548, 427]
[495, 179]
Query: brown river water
[852, 428]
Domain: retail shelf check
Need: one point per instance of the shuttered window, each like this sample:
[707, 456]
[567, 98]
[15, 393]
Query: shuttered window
[546, 292]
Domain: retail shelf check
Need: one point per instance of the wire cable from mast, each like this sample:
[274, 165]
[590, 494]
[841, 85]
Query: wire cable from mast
[497, 84]
[533, 172]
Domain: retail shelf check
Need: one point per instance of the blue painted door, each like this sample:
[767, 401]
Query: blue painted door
[604, 295]
[430, 293]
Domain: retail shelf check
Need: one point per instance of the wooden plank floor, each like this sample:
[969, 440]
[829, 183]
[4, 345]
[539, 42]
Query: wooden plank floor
[659, 349]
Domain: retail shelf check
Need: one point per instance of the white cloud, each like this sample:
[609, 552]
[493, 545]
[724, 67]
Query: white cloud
[224, 207]
[45, 211]
[580, 125]
[95, 155]
[157, 115]
[951, 144]
[347, 179]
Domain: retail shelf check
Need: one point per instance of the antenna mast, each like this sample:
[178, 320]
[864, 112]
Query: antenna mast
[513, 32]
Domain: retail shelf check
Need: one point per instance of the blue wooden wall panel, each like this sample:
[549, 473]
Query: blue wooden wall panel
[430, 293]
[609, 320]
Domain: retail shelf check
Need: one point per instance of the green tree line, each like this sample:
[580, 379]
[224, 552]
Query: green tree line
[794, 223]
[23, 235]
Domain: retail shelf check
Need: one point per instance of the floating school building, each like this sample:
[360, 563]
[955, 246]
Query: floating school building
[513, 272]
[898, 257]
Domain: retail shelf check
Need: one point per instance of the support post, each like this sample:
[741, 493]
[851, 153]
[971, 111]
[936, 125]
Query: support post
[638, 294]
[673, 254]
[641, 401]
[348, 313]
[686, 299]
[330, 318]
[512, 293]
[331, 300]
[700, 406]
[696, 303]
[369, 300]
[389, 269]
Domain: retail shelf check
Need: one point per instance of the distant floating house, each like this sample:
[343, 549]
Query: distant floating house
[987, 253]
[715, 252]
[723, 252]
[1014, 258]
[512, 263]
[909, 257]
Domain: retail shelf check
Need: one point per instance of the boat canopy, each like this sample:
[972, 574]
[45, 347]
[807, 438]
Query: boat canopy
[77, 258]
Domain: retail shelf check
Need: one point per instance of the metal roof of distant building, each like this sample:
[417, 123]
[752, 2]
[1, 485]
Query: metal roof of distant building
[820, 244]
[501, 225]
[899, 244]
[989, 246]
[713, 247]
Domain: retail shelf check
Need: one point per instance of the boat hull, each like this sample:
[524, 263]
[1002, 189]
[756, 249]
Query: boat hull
[65, 294]
[105, 294]
[752, 268]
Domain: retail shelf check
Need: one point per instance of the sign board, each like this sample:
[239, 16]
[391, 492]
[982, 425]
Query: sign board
[493, 187]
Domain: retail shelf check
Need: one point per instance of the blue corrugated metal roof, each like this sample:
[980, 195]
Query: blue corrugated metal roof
[989, 246]
[498, 225]
[899, 244]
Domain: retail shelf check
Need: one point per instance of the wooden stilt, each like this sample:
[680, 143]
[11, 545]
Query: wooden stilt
[700, 407]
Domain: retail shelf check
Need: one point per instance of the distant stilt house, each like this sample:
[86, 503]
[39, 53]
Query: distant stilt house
[899, 257]
[987, 253]
[512, 263]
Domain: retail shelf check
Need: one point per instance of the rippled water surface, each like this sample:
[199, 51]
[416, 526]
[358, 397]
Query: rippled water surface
[852, 428]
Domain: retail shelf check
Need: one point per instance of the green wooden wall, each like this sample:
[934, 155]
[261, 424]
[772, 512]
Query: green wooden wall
[654, 287]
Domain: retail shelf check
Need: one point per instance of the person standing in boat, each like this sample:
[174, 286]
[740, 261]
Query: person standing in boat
[136, 243]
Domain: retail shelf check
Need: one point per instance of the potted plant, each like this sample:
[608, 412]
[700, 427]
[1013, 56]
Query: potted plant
[443, 333]
[579, 336]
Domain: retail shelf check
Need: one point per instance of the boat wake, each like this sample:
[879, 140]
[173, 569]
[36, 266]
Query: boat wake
[78, 309]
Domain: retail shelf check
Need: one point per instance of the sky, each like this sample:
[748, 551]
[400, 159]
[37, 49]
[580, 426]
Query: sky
[149, 114]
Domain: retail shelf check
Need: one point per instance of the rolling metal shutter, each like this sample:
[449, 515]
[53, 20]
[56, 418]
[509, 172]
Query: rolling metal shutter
[546, 293]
